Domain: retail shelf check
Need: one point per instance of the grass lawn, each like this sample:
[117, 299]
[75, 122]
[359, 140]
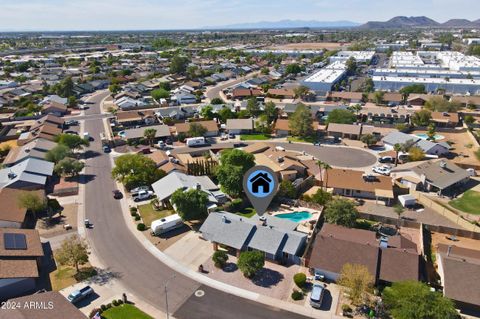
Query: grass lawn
[468, 203]
[149, 214]
[365, 224]
[66, 276]
[309, 139]
[247, 212]
[125, 311]
[254, 137]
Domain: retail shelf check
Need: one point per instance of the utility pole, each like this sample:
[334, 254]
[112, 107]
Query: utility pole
[166, 295]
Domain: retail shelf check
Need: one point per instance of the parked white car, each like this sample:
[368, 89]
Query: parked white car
[383, 170]
[142, 195]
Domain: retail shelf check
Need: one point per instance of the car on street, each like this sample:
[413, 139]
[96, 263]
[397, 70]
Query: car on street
[386, 159]
[383, 170]
[71, 122]
[316, 296]
[231, 135]
[80, 294]
[117, 194]
[142, 195]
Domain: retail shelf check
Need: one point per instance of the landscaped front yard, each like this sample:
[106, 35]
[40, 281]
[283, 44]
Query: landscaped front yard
[149, 214]
[298, 139]
[66, 276]
[125, 311]
[254, 137]
[468, 203]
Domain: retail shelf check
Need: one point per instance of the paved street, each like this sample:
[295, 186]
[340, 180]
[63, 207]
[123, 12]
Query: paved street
[137, 269]
[214, 92]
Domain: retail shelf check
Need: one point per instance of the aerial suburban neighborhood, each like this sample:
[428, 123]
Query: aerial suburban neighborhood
[126, 160]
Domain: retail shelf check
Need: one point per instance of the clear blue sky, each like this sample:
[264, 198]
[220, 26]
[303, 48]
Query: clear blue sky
[181, 14]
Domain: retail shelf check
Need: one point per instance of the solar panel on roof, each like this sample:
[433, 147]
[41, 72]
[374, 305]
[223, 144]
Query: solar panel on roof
[14, 241]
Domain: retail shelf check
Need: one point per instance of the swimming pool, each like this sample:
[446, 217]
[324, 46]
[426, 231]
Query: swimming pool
[424, 136]
[295, 216]
[122, 134]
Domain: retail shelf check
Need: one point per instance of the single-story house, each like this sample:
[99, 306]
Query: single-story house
[430, 148]
[390, 259]
[161, 132]
[12, 215]
[159, 157]
[54, 108]
[242, 93]
[351, 183]
[351, 97]
[35, 149]
[165, 187]
[391, 99]
[441, 176]
[134, 118]
[185, 98]
[282, 93]
[20, 254]
[285, 164]
[240, 126]
[350, 131]
[255, 148]
[459, 271]
[282, 128]
[211, 126]
[276, 238]
[29, 174]
[445, 119]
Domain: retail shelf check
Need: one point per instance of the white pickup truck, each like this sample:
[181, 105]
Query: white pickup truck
[142, 195]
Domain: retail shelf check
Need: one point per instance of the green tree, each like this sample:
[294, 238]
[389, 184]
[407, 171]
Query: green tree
[32, 202]
[196, 130]
[286, 189]
[158, 94]
[65, 87]
[220, 258]
[358, 281]
[368, 139]
[421, 118]
[178, 64]
[58, 153]
[253, 107]
[431, 132]
[270, 111]
[301, 91]
[190, 204]
[293, 68]
[378, 97]
[135, 170]
[412, 89]
[341, 211]
[416, 154]
[225, 113]
[114, 88]
[73, 252]
[72, 141]
[250, 262]
[150, 134]
[341, 116]
[321, 197]
[300, 279]
[469, 120]
[439, 104]
[415, 300]
[234, 163]
[207, 112]
[368, 86]
[397, 148]
[217, 101]
[300, 123]
[351, 65]
[72, 101]
[69, 167]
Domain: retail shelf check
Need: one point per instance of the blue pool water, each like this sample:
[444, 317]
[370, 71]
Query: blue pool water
[424, 136]
[295, 216]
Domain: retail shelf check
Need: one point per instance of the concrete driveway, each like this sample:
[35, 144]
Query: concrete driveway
[191, 250]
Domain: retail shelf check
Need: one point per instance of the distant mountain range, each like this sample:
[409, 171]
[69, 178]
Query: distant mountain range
[288, 24]
[419, 22]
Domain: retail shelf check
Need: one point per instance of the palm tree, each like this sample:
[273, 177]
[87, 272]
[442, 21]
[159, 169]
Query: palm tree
[149, 134]
[323, 166]
[397, 147]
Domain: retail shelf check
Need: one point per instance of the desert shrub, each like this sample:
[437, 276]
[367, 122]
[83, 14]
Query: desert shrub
[220, 258]
[300, 279]
[297, 295]
[141, 227]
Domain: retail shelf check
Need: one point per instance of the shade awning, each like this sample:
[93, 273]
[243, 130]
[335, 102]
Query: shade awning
[385, 193]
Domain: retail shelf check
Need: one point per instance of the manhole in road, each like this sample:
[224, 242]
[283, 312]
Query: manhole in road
[199, 293]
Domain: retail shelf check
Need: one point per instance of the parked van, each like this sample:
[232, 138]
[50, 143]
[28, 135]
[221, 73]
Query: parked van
[316, 296]
[166, 224]
[195, 141]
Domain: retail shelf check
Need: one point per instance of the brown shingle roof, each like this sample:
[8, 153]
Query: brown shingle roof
[10, 210]
[34, 246]
[346, 95]
[350, 179]
[127, 116]
[444, 117]
[211, 126]
[336, 246]
[282, 92]
[256, 148]
[461, 273]
[399, 264]
[61, 308]
[18, 268]
[344, 128]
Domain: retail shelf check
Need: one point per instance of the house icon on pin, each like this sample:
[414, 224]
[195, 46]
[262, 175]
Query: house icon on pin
[260, 180]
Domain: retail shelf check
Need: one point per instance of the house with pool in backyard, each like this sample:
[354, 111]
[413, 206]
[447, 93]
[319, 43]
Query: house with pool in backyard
[278, 238]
